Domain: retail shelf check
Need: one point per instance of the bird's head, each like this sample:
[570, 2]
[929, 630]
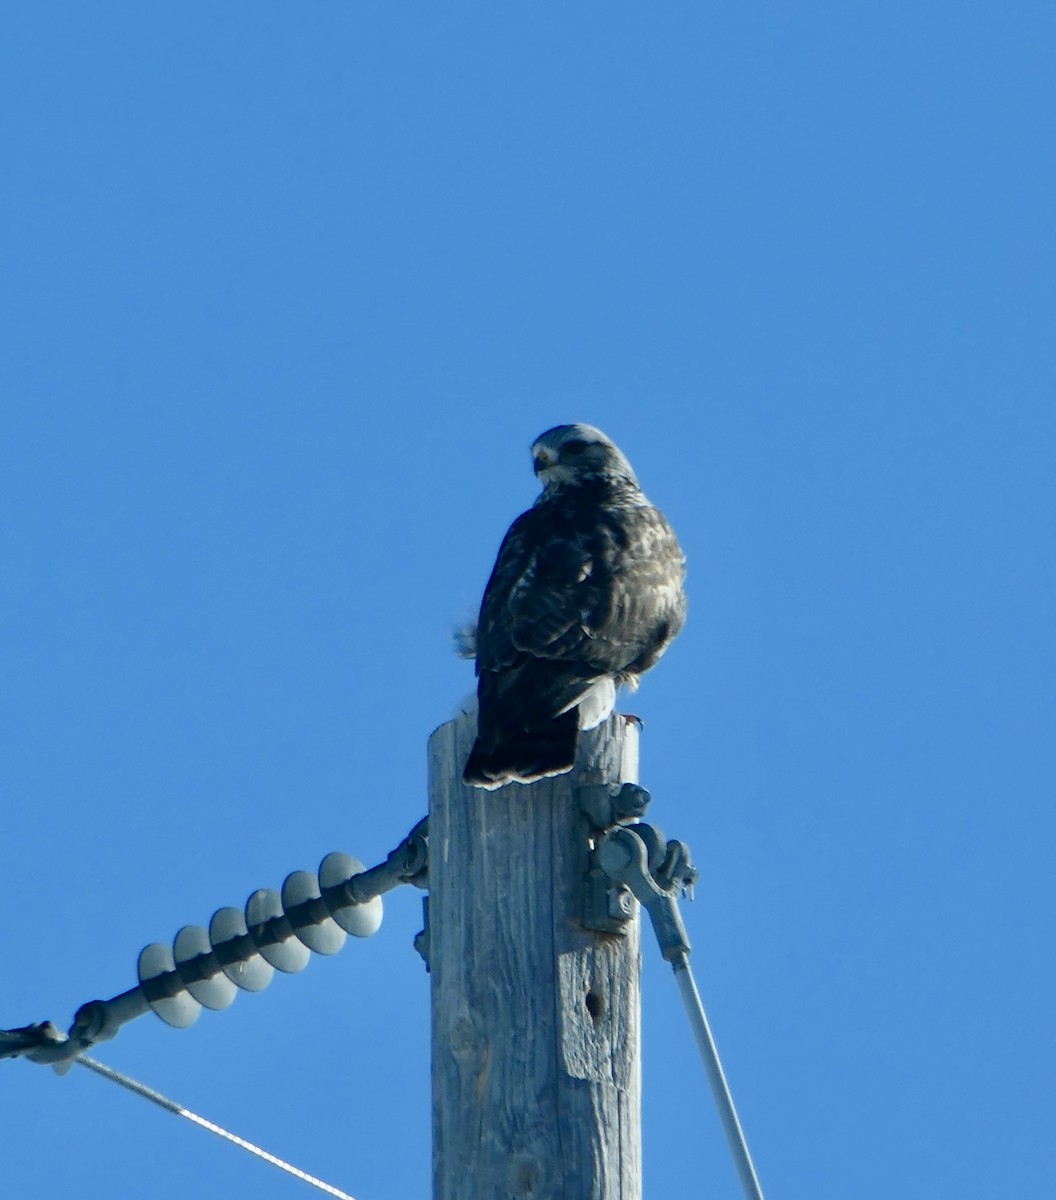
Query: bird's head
[573, 454]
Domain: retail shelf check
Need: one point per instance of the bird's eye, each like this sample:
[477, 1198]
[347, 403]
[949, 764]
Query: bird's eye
[577, 446]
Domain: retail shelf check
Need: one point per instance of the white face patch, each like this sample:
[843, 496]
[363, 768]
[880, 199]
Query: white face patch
[556, 474]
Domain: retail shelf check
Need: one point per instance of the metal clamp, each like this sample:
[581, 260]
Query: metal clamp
[608, 906]
[408, 863]
[605, 804]
[655, 872]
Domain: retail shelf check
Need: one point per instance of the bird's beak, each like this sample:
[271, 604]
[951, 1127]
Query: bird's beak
[542, 460]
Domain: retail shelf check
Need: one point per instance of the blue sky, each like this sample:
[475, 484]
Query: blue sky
[288, 290]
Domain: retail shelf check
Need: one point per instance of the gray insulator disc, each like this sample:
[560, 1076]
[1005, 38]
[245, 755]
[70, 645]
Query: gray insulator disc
[215, 992]
[179, 1011]
[254, 973]
[288, 956]
[360, 920]
[325, 938]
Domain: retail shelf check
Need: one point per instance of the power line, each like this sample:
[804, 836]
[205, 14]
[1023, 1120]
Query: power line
[178, 1110]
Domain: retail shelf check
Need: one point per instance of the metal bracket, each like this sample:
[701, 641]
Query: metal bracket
[654, 872]
[607, 907]
[408, 863]
[605, 804]
[421, 938]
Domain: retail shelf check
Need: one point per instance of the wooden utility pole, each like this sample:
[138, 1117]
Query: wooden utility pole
[536, 1046]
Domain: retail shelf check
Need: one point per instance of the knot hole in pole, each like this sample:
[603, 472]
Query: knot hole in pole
[595, 1003]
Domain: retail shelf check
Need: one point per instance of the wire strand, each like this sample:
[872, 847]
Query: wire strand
[720, 1089]
[164, 1102]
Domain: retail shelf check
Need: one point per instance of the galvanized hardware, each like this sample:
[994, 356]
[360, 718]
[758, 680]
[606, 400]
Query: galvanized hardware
[408, 863]
[607, 907]
[635, 861]
[421, 938]
[605, 805]
[655, 872]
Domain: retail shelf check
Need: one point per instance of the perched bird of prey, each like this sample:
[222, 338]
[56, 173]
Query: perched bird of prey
[586, 594]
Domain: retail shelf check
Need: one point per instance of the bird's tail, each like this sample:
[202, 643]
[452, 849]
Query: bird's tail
[523, 756]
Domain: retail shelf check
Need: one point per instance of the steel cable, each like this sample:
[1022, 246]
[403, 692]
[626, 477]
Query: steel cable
[164, 1102]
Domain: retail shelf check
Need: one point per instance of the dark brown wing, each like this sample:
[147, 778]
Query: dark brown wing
[591, 590]
[584, 587]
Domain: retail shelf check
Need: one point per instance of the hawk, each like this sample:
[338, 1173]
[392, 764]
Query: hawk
[586, 594]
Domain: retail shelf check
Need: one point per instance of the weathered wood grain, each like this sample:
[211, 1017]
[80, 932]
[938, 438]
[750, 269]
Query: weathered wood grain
[536, 1049]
